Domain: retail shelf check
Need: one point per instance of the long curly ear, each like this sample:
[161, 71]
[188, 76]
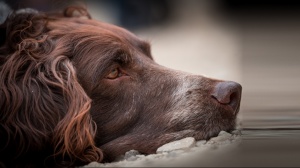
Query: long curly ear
[74, 134]
[42, 104]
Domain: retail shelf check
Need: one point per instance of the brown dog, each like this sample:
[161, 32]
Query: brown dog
[75, 90]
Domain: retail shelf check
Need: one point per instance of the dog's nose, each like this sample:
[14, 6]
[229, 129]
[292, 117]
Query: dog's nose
[228, 93]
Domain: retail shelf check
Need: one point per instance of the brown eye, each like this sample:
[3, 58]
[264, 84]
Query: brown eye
[113, 74]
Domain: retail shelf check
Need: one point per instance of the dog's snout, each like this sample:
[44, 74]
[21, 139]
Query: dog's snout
[228, 93]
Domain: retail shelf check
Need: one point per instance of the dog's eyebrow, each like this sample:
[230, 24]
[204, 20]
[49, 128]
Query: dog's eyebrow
[145, 47]
[121, 56]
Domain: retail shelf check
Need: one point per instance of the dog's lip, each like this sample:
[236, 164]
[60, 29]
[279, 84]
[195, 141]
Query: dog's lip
[227, 107]
[236, 111]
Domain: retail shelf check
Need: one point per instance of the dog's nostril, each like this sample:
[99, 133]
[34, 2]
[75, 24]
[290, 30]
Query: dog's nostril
[228, 93]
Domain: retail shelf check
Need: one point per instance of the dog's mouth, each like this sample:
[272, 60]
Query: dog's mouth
[219, 121]
[223, 119]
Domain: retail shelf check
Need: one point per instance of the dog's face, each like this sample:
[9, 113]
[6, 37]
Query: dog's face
[136, 103]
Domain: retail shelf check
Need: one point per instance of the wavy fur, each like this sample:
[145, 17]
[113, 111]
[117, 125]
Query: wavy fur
[42, 104]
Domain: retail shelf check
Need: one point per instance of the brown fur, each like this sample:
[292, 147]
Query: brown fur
[57, 108]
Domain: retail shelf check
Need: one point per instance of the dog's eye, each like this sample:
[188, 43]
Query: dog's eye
[114, 74]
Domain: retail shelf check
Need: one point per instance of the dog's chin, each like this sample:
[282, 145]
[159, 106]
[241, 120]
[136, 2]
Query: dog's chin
[149, 144]
[203, 134]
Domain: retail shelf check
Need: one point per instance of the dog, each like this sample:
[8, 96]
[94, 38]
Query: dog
[75, 90]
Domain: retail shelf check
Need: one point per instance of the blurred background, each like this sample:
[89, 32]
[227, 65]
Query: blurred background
[255, 43]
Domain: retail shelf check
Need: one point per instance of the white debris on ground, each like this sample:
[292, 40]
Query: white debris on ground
[184, 152]
[183, 144]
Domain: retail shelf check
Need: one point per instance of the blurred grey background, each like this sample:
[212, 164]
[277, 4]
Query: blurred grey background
[256, 43]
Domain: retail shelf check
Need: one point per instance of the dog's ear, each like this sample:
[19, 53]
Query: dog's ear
[74, 134]
[42, 102]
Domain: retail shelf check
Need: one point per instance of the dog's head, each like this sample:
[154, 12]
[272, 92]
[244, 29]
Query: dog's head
[77, 88]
